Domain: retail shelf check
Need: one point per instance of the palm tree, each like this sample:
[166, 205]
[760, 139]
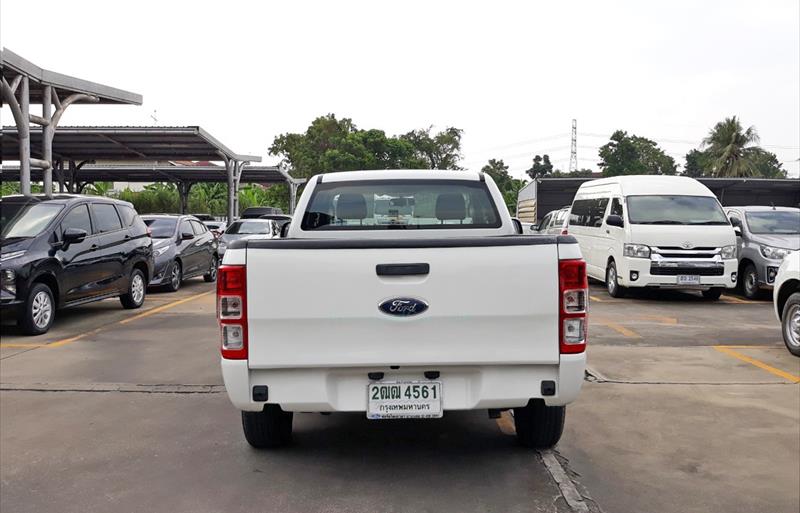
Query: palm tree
[731, 148]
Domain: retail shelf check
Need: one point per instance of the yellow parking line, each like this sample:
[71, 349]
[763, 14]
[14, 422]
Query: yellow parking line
[740, 301]
[661, 319]
[622, 330]
[69, 340]
[595, 298]
[165, 307]
[506, 424]
[758, 363]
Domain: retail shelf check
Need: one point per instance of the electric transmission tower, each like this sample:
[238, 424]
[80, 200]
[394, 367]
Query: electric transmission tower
[573, 149]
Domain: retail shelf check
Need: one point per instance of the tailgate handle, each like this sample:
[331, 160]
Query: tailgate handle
[402, 269]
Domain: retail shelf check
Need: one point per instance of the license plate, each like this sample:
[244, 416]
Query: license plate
[404, 400]
[688, 279]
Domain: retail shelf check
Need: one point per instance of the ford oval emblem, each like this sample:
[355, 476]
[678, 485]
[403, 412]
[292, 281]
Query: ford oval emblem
[403, 306]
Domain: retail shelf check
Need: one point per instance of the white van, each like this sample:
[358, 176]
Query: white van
[654, 231]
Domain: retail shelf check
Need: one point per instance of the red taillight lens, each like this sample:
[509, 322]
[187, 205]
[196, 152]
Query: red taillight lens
[573, 288]
[232, 311]
[564, 232]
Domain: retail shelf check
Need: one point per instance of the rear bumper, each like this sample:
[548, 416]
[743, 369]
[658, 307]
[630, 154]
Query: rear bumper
[345, 389]
[627, 268]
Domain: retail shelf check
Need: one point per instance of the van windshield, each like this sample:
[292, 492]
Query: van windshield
[774, 221]
[690, 210]
[26, 219]
[400, 204]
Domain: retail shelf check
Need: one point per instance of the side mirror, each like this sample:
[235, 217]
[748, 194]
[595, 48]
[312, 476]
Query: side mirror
[737, 230]
[735, 221]
[285, 230]
[517, 225]
[533, 228]
[187, 236]
[615, 220]
[73, 236]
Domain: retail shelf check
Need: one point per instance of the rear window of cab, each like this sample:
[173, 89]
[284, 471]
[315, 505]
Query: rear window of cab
[400, 204]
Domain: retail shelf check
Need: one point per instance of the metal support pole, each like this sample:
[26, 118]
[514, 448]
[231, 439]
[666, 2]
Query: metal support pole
[237, 179]
[292, 196]
[183, 192]
[229, 167]
[25, 140]
[47, 140]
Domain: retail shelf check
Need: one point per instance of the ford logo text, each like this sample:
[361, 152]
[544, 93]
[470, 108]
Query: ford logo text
[403, 306]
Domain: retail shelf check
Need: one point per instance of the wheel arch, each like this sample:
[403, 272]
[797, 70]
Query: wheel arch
[788, 288]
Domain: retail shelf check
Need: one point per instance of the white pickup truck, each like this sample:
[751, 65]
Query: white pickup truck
[403, 294]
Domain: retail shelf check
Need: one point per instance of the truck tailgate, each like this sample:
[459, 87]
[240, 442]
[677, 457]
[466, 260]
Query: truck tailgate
[488, 304]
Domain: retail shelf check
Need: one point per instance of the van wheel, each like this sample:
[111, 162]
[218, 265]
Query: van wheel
[269, 428]
[137, 288]
[39, 310]
[538, 425]
[750, 282]
[712, 294]
[174, 277]
[790, 324]
[211, 275]
[612, 284]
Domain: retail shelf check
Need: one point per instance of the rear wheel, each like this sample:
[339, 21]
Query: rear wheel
[712, 294]
[612, 281]
[174, 277]
[269, 428]
[211, 275]
[39, 310]
[134, 298]
[790, 324]
[538, 425]
[750, 282]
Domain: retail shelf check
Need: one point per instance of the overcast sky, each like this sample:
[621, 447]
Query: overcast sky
[511, 74]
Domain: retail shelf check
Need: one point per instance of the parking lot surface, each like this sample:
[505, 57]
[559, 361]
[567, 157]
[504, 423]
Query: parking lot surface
[689, 405]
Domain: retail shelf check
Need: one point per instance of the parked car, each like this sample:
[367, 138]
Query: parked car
[183, 248]
[765, 236]
[204, 217]
[217, 228]
[69, 250]
[244, 228]
[555, 222]
[256, 212]
[437, 308]
[654, 231]
[786, 299]
[281, 219]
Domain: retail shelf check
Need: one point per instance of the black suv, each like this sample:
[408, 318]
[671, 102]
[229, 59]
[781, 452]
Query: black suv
[69, 250]
[183, 247]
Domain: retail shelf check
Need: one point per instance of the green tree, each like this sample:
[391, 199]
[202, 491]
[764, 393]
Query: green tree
[508, 185]
[698, 163]
[541, 167]
[441, 150]
[766, 163]
[633, 155]
[100, 188]
[730, 148]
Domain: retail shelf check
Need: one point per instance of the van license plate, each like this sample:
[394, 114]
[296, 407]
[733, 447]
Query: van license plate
[404, 400]
[688, 279]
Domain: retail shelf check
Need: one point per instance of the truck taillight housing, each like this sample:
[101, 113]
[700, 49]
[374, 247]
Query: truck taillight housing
[232, 311]
[573, 287]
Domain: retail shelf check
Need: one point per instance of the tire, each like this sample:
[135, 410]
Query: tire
[790, 324]
[137, 290]
[269, 428]
[613, 287]
[39, 310]
[749, 278]
[712, 294]
[539, 426]
[211, 275]
[175, 277]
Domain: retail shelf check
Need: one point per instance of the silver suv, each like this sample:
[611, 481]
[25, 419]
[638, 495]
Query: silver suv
[765, 236]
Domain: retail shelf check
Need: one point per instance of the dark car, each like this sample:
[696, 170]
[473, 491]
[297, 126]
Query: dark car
[256, 212]
[281, 219]
[183, 248]
[69, 250]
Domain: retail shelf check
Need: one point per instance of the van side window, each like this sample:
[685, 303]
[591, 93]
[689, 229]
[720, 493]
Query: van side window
[588, 212]
[616, 208]
[106, 217]
[127, 214]
[78, 218]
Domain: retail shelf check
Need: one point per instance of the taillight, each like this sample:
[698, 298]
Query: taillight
[573, 288]
[564, 232]
[232, 311]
